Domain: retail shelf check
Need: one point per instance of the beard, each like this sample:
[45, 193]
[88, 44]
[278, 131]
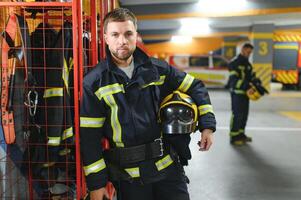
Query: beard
[123, 56]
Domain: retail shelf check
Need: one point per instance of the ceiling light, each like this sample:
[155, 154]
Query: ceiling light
[194, 27]
[221, 6]
[180, 39]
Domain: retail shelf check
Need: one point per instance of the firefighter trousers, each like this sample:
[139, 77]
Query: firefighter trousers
[240, 111]
[173, 187]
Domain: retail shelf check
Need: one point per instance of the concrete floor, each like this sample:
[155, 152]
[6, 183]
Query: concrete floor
[269, 168]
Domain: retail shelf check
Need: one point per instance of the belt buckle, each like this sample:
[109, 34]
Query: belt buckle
[161, 146]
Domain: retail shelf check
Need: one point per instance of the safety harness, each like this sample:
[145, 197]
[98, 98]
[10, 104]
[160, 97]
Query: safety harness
[16, 25]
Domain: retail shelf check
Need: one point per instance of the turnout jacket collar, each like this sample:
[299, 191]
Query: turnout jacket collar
[144, 71]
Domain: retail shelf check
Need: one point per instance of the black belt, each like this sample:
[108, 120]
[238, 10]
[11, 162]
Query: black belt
[131, 155]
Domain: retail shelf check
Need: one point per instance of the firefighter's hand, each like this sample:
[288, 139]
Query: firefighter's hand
[206, 140]
[251, 91]
[99, 194]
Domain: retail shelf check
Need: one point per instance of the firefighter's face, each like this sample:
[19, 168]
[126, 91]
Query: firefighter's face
[246, 52]
[121, 38]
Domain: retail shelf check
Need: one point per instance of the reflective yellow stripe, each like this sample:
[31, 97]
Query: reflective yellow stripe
[204, 109]
[48, 164]
[164, 162]
[64, 152]
[92, 122]
[65, 75]
[233, 73]
[159, 82]
[239, 83]
[133, 172]
[67, 133]
[234, 133]
[95, 167]
[53, 92]
[110, 101]
[185, 85]
[109, 90]
[54, 141]
[239, 92]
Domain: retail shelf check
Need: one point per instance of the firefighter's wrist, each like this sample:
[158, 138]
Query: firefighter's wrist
[207, 131]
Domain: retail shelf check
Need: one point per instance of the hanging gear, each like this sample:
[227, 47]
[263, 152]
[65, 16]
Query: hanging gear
[178, 114]
[10, 53]
[257, 90]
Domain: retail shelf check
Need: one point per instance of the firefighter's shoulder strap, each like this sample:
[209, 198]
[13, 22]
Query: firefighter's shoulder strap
[16, 25]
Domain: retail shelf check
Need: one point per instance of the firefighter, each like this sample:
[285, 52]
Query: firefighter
[241, 75]
[121, 100]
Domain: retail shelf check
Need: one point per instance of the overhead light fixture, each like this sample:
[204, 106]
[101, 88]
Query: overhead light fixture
[195, 26]
[181, 39]
[221, 6]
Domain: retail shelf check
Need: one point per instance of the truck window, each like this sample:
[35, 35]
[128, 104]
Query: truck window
[198, 61]
[219, 62]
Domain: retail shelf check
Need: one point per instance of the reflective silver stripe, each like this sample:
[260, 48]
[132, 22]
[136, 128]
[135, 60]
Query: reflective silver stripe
[65, 75]
[133, 172]
[185, 85]
[110, 101]
[54, 141]
[159, 82]
[67, 133]
[164, 162]
[53, 92]
[95, 167]
[204, 109]
[109, 90]
[92, 122]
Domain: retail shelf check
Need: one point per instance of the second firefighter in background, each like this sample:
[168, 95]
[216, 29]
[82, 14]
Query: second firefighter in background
[241, 76]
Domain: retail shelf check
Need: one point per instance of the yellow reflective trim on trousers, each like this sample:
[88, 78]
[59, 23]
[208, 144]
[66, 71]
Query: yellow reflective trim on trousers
[92, 122]
[185, 85]
[109, 90]
[110, 101]
[53, 92]
[95, 167]
[133, 172]
[234, 133]
[54, 141]
[164, 162]
[159, 82]
[65, 75]
[67, 133]
[204, 109]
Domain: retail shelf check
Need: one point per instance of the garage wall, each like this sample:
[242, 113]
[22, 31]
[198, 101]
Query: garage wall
[197, 46]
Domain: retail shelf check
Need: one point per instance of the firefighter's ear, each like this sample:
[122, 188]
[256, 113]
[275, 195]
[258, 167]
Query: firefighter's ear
[106, 38]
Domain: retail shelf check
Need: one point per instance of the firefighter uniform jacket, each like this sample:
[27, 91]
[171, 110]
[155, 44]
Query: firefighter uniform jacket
[125, 112]
[241, 74]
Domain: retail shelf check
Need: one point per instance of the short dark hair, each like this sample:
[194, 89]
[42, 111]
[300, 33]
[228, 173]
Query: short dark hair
[119, 15]
[248, 46]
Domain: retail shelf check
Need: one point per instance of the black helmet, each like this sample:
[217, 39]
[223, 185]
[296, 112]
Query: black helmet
[178, 114]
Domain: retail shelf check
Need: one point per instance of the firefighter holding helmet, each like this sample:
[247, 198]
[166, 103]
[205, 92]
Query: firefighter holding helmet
[121, 101]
